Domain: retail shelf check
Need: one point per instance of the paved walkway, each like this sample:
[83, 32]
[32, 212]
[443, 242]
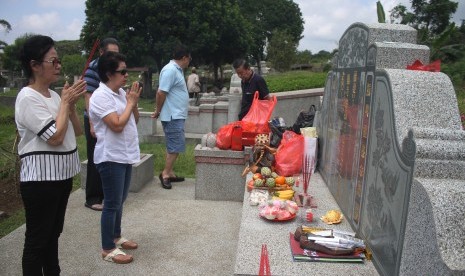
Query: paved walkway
[177, 235]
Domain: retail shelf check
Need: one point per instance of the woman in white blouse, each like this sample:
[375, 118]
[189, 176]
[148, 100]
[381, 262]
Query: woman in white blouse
[114, 115]
[47, 126]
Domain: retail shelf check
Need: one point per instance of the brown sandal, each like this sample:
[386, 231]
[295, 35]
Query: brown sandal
[117, 256]
[126, 244]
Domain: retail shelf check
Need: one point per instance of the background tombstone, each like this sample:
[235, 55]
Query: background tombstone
[372, 109]
[235, 86]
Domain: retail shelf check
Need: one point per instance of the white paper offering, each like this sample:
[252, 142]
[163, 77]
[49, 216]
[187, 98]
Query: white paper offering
[309, 132]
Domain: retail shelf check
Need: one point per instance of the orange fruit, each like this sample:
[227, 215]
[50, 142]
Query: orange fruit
[280, 180]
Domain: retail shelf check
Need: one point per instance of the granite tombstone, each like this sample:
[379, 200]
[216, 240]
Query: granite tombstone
[373, 111]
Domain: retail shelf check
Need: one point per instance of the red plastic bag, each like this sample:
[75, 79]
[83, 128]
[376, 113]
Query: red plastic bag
[434, 66]
[224, 135]
[248, 126]
[290, 153]
[260, 113]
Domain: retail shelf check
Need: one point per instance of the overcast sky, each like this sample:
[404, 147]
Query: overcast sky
[325, 20]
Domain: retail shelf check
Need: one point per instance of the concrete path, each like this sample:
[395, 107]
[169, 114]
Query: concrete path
[177, 235]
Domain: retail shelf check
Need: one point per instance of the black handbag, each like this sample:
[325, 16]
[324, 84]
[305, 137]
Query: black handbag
[305, 119]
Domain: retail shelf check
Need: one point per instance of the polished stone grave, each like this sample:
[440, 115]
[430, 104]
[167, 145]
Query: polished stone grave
[388, 137]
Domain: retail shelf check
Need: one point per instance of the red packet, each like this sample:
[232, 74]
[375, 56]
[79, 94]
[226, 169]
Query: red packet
[434, 66]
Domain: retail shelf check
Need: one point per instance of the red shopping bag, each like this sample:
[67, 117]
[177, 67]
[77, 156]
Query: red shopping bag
[260, 113]
[224, 135]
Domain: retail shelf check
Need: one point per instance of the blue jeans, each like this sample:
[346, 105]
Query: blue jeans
[116, 178]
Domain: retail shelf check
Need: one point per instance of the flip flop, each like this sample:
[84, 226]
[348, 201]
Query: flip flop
[110, 257]
[126, 244]
[177, 178]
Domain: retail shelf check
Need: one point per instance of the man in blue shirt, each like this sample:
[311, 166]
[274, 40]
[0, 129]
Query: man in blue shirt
[172, 102]
[94, 192]
[250, 82]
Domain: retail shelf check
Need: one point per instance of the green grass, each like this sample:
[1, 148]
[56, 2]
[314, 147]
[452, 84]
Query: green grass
[295, 80]
[184, 165]
[12, 222]
[147, 105]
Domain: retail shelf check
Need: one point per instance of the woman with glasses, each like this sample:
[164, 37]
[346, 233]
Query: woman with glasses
[47, 126]
[114, 114]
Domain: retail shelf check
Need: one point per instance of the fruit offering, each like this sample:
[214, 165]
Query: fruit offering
[284, 194]
[266, 172]
[278, 210]
[332, 217]
[258, 182]
[267, 179]
[290, 181]
[270, 182]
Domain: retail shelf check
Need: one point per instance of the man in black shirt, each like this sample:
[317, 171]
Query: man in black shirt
[250, 82]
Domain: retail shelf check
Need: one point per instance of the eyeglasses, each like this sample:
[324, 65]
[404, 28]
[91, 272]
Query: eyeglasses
[55, 61]
[122, 72]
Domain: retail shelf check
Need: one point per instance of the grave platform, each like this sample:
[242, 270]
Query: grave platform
[218, 174]
[255, 231]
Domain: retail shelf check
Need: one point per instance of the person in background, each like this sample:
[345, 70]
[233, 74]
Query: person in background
[47, 126]
[94, 192]
[193, 84]
[172, 101]
[250, 82]
[114, 114]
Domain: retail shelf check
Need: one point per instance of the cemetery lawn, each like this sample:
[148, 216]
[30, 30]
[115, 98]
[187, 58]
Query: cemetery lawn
[295, 80]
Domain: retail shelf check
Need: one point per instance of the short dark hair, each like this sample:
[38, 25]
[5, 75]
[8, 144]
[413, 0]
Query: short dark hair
[107, 41]
[180, 51]
[109, 63]
[240, 62]
[34, 48]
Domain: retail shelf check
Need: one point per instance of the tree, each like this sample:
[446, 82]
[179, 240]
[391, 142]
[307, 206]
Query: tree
[282, 51]
[430, 18]
[219, 35]
[11, 53]
[73, 65]
[212, 29]
[303, 57]
[7, 27]
[69, 47]
[267, 17]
